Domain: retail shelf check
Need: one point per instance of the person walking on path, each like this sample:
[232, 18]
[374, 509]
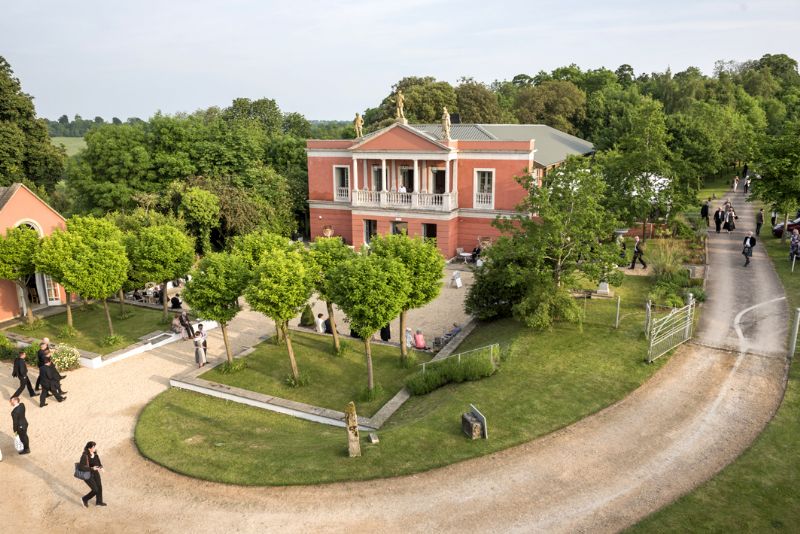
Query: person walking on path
[44, 346]
[90, 461]
[20, 372]
[774, 217]
[759, 221]
[199, 353]
[20, 424]
[730, 220]
[794, 245]
[704, 212]
[319, 324]
[204, 337]
[637, 253]
[747, 250]
[719, 216]
[735, 183]
[51, 383]
[746, 185]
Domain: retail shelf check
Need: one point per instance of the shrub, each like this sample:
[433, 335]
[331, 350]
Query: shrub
[65, 358]
[344, 346]
[35, 325]
[67, 332]
[307, 317]
[8, 350]
[667, 259]
[300, 381]
[449, 371]
[235, 366]
[368, 395]
[698, 293]
[109, 341]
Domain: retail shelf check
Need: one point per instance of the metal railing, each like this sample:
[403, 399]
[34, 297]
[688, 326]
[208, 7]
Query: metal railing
[668, 332]
[494, 354]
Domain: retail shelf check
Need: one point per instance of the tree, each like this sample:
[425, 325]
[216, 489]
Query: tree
[17, 250]
[280, 288]
[57, 255]
[214, 290]
[556, 103]
[100, 266]
[25, 148]
[371, 290]
[264, 112]
[201, 210]
[159, 253]
[476, 102]
[295, 124]
[328, 253]
[423, 264]
[424, 99]
[779, 167]
[570, 237]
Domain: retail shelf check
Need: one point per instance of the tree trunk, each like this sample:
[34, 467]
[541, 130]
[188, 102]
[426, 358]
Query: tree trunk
[644, 229]
[278, 333]
[403, 348]
[108, 317]
[69, 309]
[121, 296]
[368, 353]
[336, 344]
[228, 354]
[166, 302]
[289, 348]
[28, 307]
[785, 233]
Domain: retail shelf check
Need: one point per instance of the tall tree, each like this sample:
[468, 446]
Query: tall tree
[476, 102]
[201, 209]
[57, 255]
[328, 252]
[102, 264]
[556, 103]
[17, 249]
[159, 254]
[424, 99]
[371, 290]
[423, 265]
[779, 167]
[214, 290]
[280, 288]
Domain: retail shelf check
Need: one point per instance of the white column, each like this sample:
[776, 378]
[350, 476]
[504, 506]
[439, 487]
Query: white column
[355, 174]
[366, 176]
[384, 177]
[455, 176]
[416, 175]
[393, 186]
[446, 176]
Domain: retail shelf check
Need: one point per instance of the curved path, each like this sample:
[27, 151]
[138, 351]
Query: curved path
[604, 473]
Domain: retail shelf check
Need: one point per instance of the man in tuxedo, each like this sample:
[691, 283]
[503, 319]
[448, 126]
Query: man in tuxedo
[20, 423]
[51, 382]
[44, 346]
[21, 373]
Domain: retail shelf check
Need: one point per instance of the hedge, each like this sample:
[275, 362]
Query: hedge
[449, 371]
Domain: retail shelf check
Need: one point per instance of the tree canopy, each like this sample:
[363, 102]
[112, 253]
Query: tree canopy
[17, 249]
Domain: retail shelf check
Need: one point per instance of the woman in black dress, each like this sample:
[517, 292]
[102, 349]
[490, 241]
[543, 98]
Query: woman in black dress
[90, 461]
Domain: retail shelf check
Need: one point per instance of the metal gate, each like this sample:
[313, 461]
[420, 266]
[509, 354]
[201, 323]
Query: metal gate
[668, 332]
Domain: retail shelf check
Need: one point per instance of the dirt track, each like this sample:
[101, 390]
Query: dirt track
[692, 418]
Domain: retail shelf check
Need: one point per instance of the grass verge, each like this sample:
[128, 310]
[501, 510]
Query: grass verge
[546, 381]
[92, 327]
[758, 492]
[73, 145]
[334, 381]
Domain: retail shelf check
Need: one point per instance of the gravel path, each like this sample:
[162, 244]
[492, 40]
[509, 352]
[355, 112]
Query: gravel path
[697, 414]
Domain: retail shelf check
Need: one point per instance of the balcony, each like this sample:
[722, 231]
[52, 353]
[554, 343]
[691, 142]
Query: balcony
[396, 200]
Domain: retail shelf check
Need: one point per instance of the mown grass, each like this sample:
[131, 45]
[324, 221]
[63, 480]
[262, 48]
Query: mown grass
[92, 327]
[73, 145]
[334, 381]
[759, 491]
[717, 187]
[547, 380]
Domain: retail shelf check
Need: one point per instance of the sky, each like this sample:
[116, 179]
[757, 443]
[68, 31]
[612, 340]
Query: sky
[329, 59]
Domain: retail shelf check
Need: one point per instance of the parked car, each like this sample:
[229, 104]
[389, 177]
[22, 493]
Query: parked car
[777, 230]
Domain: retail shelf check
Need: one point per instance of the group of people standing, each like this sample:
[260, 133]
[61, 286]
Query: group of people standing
[181, 324]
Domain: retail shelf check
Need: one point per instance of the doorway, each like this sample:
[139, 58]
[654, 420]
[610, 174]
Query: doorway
[400, 228]
[428, 231]
[370, 230]
[439, 178]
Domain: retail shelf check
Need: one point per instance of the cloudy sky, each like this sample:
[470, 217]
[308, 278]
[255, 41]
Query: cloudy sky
[329, 59]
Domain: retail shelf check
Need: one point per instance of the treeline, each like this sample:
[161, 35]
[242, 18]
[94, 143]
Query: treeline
[78, 126]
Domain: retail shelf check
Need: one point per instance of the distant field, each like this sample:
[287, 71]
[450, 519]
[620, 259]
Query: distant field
[72, 144]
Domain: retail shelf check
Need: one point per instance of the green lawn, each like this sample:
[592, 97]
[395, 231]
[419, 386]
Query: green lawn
[760, 491]
[92, 327]
[547, 380]
[334, 381]
[72, 144]
[717, 187]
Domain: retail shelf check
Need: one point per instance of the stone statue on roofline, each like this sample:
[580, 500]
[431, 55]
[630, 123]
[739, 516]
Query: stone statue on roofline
[445, 124]
[358, 123]
[399, 105]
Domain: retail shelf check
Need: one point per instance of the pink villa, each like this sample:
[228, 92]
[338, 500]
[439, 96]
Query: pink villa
[20, 206]
[409, 178]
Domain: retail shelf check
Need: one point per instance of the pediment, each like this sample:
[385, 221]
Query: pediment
[399, 137]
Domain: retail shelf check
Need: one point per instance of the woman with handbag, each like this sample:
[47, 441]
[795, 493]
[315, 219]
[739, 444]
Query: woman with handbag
[90, 461]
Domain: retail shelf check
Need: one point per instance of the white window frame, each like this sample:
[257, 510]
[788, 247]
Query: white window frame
[400, 170]
[475, 186]
[336, 185]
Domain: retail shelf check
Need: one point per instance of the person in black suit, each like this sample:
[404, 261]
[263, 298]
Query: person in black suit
[747, 250]
[40, 356]
[20, 372]
[51, 383]
[90, 461]
[20, 423]
[637, 253]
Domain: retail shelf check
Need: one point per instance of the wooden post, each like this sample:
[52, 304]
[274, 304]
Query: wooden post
[351, 423]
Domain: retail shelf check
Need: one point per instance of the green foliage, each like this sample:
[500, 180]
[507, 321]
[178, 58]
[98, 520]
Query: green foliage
[67, 332]
[216, 285]
[58, 254]
[254, 246]
[307, 317]
[17, 249]
[424, 99]
[201, 210]
[477, 103]
[95, 264]
[369, 395]
[344, 348]
[65, 358]
[281, 284]
[450, 370]
[779, 167]
[26, 152]
[7, 348]
[110, 341]
[302, 380]
[698, 293]
[556, 103]
[36, 324]
[158, 253]
[229, 368]
[548, 303]
[666, 259]
[328, 253]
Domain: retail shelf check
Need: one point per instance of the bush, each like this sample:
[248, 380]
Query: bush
[35, 325]
[307, 317]
[235, 366]
[698, 293]
[8, 350]
[667, 259]
[344, 346]
[449, 371]
[65, 358]
[67, 332]
[368, 395]
[302, 380]
[109, 341]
